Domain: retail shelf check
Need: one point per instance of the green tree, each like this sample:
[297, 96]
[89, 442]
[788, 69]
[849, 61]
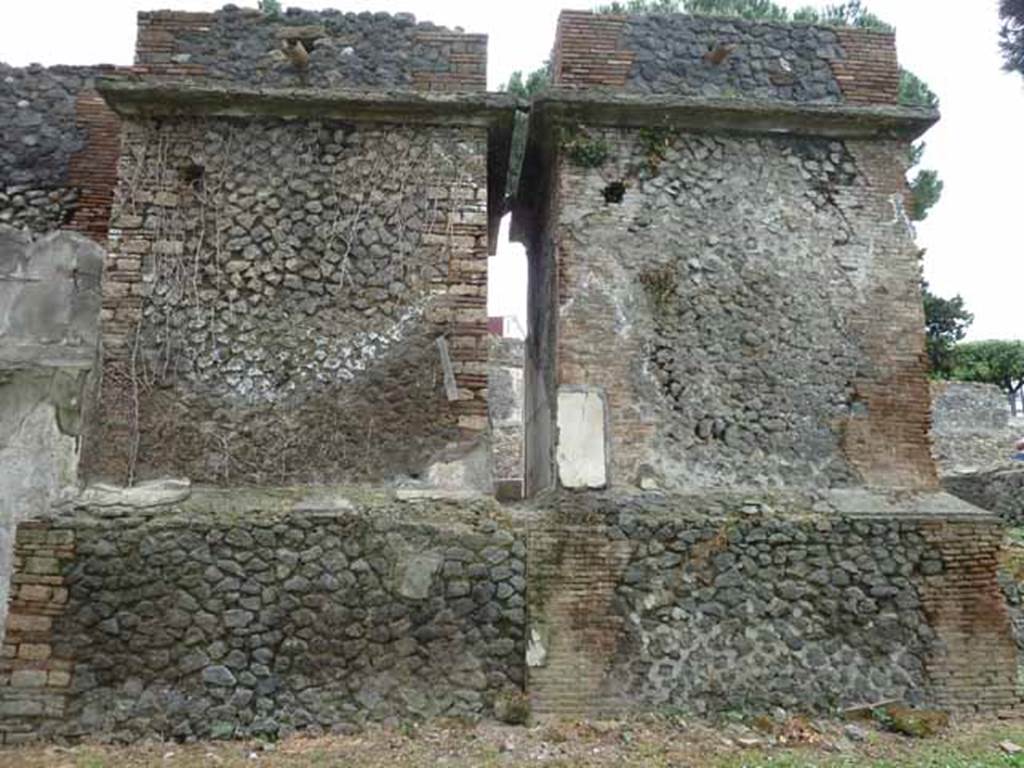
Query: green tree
[525, 88]
[528, 86]
[925, 185]
[271, 8]
[946, 323]
[992, 362]
[1011, 35]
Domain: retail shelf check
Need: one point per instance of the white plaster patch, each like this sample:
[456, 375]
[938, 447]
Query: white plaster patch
[536, 653]
[582, 461]
[154, 493]
[418, 574]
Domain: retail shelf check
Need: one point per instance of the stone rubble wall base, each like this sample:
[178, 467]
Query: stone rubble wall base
[194, 624]
[190, 626]
[999, 490]
[629, 608]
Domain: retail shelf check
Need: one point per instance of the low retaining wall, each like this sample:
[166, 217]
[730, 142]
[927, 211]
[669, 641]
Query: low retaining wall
[218, 618]
[704, 607]
[253, 613]
[1000, 491]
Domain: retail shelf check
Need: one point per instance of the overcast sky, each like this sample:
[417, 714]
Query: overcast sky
[972, 237]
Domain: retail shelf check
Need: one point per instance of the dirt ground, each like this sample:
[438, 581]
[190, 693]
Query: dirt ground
[656, 741]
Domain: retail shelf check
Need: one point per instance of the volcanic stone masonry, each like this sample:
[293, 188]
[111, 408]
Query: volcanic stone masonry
[58, 150]
[724, 302]
[276, 286]
[290, 421]
[739, 331]
[273, 295]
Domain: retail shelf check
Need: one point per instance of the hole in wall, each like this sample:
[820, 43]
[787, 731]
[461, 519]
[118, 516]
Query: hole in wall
[614, 192]
[194, 175]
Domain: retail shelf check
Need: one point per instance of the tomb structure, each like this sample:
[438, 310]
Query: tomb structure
[266, 502]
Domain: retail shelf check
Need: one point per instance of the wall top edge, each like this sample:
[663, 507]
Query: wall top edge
[738, 21]
[618, 109]
[150, 98]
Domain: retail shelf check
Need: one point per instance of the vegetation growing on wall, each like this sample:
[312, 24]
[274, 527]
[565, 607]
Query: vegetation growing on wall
[584, 150]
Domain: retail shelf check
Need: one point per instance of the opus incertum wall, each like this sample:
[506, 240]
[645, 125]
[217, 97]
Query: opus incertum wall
[729, 267]
[277, 285]
[725, 399]
[724, 302]
[59, 150]
[252, 613]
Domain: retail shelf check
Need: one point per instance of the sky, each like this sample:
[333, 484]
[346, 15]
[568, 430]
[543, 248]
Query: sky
[972, 237]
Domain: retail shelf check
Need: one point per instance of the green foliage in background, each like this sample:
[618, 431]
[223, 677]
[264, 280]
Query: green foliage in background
[525, 87]
[270, 8]
[992, 362]
[946, 323]
[1011, 35]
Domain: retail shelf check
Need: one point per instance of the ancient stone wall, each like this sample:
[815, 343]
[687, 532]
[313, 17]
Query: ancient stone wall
[273, 295]
[725, 58]
[696, 190]
[49, 324]
[239, 614]
[971, 428]
[973, 439]
[735, 327]
[719, 603]
[345, 50]
[58, 150]
[1000, 491]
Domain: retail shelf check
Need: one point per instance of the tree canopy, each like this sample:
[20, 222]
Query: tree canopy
[271, 8]
[946, 323]
[992, 362]
[525, 88]
[530, 85]
[1011, 35]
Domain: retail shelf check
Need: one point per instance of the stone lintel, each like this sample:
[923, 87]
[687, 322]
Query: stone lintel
[626, 110]
[155, 98]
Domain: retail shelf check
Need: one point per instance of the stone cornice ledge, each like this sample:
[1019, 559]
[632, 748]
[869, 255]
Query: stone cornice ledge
[167, 98]
[627, 110]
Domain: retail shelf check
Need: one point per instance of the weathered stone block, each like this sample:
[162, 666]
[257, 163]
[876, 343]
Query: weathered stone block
[582, 459]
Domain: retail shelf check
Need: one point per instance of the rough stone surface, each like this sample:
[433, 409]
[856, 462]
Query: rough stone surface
[38, 135]
[736, 326]
[725, 57]
[727, 304]
[345, 50]
[973, 438]
[781, 61]
[725, 603]
[49, 118]
[972, 428]
[998, 490]
[194, 621]
[505, 402]
[273, 294]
